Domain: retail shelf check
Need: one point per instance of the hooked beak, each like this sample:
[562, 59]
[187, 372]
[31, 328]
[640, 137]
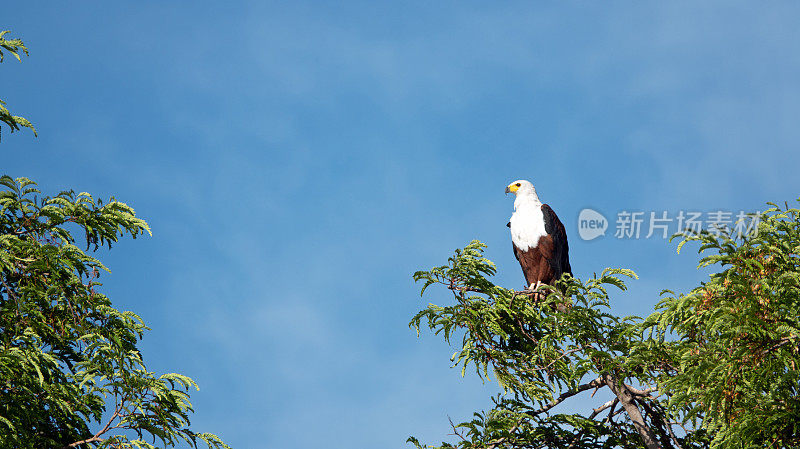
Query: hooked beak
[507, 191]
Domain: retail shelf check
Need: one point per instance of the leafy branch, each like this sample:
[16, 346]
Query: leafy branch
[65, 352]
[14, 47]
[718, 367]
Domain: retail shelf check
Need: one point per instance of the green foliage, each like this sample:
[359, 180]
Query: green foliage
[730, 348]
[528, 342]
[717, 367]
[542, 348]
[69, 360]
[13, 46]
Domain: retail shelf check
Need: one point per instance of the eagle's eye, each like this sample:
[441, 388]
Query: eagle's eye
[518, 184]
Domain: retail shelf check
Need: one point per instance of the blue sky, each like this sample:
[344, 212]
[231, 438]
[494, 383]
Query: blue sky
[297, 162]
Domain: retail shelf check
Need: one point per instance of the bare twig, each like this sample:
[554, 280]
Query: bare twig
[612, 412]
[674, 438]
[595, 391]
[96, 437]
[605, 406]
[567, 394]
[455, 430]
[525, 333]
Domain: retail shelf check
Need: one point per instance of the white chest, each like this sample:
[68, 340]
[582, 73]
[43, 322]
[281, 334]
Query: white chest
[527, 227]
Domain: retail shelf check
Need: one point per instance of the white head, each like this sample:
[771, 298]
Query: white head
[521, 187]
[526, 194]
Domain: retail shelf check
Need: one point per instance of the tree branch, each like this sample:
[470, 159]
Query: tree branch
[778, 343]
[626, 399]
[606, 405]
[96, 437]
[599, 382]
[637, 392]
[658, 418]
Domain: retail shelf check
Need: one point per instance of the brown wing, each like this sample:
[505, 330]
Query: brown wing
[554, 245]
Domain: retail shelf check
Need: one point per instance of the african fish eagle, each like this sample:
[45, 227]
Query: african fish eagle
[538, 237]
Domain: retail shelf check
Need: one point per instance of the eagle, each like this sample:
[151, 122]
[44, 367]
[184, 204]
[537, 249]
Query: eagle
[538, 237]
